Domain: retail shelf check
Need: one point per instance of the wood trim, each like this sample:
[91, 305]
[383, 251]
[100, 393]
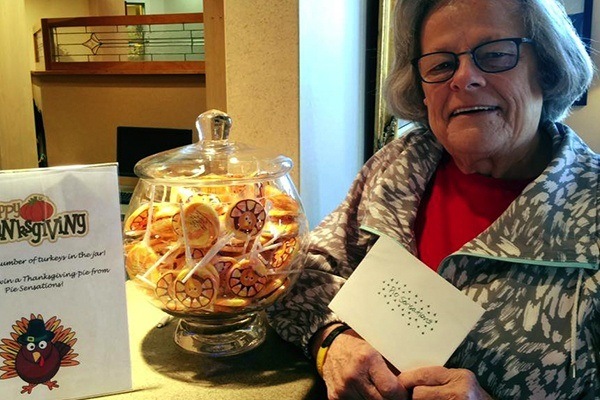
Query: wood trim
[126, 20]
[73, 72]
[214, 55]
[48, 43]
[142, 67]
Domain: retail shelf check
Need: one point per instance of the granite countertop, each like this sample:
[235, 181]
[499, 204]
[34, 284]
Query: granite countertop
[162, 370]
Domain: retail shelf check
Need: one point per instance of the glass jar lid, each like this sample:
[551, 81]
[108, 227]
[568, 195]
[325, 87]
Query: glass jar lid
[213, 159]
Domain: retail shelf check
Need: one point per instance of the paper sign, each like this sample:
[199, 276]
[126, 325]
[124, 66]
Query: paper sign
[406, 311]
[63, 326]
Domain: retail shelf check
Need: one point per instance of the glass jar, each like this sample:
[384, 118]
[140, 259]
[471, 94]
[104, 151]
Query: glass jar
[212, 236]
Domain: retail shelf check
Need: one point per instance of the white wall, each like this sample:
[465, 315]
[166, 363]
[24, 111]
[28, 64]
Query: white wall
[154, 6]
[332, 53]
[169, 6]
[184, 6]
[585, 119]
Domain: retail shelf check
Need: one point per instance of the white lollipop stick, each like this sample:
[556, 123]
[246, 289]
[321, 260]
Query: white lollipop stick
[160, 260]
[146, 239]
[146, 281]
[209, 255]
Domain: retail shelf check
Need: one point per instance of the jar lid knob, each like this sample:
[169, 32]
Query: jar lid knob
[213, 125]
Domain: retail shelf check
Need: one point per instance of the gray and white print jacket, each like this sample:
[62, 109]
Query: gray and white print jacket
[535, 270]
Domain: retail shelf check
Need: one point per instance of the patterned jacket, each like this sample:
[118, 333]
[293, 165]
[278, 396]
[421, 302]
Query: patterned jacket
[535, 270]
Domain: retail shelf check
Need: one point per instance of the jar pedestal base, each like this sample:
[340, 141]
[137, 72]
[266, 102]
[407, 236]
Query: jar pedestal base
[221, 336]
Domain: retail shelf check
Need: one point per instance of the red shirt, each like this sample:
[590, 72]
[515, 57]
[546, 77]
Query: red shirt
[457, 207]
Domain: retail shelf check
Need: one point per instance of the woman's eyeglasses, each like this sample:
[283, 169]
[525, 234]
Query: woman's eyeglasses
[491, 57]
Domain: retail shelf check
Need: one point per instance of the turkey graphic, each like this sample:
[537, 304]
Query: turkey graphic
[36, 351]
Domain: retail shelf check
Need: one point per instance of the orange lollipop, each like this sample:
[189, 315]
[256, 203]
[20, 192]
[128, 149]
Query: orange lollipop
[138, 219]
[210, 199]
[140, 257]
[245, 279]
[161, 224]
[223, 304]
[283, 254]
[283, 205]
[273, 289]
[281, 228]
[246, 218]
[199, 291]
[223, 265]
[201, 224]
[165, 291]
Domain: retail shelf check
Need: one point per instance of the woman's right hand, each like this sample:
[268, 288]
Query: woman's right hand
[355, 370]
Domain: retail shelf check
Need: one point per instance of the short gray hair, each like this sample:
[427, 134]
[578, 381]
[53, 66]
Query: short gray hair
[567, 67]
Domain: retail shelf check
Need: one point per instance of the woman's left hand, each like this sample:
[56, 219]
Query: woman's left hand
[442, 383]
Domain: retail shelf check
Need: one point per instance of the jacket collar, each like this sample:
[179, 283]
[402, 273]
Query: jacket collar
[555, 220]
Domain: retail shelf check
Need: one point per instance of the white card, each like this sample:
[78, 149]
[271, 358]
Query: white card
[406, 311]
[62, 282]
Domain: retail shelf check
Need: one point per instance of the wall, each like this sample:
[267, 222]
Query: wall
[262, 93]
[117, 7]
[105, 7]
[17, 133]
[183, 6]
[263, 89]
[261, 43]
[81, 113]
[332, 53]
[37, 9]
[585, 119]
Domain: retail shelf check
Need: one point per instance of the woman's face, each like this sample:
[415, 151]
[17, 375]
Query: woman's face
[487, 121]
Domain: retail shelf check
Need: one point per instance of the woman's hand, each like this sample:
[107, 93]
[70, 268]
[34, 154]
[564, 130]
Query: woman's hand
[355, 370]
[442, 383]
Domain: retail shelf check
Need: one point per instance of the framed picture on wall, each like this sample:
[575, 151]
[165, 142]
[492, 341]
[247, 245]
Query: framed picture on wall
[135, 8]
[580, 12]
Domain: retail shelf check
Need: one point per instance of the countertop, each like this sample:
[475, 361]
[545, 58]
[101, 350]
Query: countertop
[162, 370]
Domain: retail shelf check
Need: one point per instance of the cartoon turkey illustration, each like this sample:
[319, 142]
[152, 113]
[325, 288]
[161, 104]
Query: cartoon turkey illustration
[36, 351]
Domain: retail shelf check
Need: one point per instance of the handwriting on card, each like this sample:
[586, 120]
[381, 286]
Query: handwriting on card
[408, 305]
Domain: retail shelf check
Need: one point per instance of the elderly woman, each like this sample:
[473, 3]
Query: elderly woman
[495, 194]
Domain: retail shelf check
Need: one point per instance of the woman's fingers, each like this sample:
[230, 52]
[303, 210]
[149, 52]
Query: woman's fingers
[386, 382]
[427, 376]
[354, 370]
[442, 383]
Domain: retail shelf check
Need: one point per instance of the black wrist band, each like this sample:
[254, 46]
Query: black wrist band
[333, 334]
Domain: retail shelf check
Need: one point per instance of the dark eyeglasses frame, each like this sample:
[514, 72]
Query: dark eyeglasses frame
[517, 41]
